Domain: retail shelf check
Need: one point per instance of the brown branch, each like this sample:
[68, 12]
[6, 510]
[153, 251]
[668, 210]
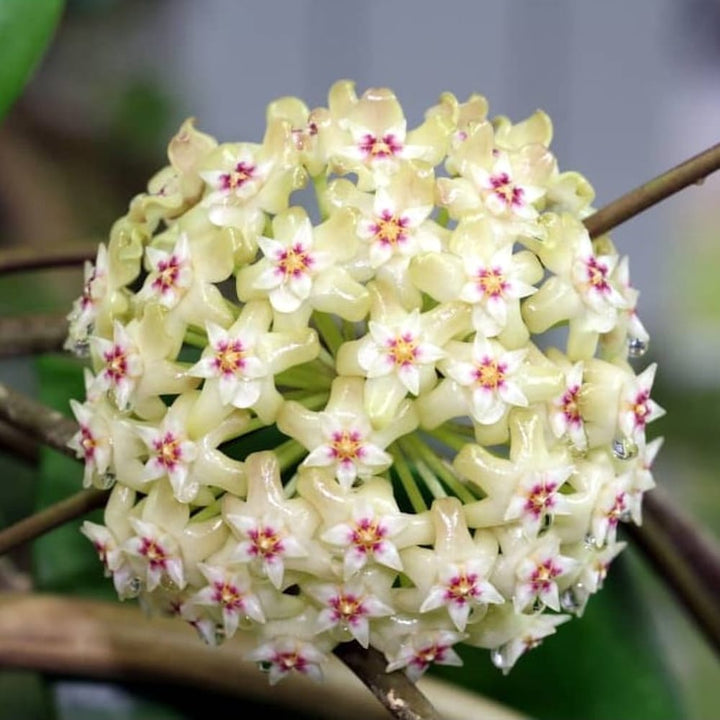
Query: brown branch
[55, 515]
[17, 443]
[23, 259]
[113, 641]
[686, 558]
[694, 170]
[48, 426]
[393, 690]
[31, 334]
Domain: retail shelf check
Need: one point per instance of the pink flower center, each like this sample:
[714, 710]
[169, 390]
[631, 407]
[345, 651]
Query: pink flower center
[429, 654]
[168, 451]
[506, 191]
[389, 229]
[543, 575]
[116, 365]
[229, 357]
[373, 147]
[294, 262]
[641, 408]
[403, 349]
[346, 445]
[462, 587]
[540, 498]
[88, 443]
[491, 282]
[569, 405]
[236, 178]
[618, 509]
[489, 373]
[265, 542]
[154, 552]
[597, 275]
[288, 661]
[368, 535]
[168, 273]
[347, 606]
[228, 596]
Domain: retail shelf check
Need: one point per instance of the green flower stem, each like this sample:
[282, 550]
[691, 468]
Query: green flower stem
[314, 377]
[449, 437]
[291, 486]
[326, 359]
[461, 429]
[348, 330]
[318, 400]
[442, 217]
[320, 184]
[209, 511]
[441, 470]
[428, 477]
[408, 482]
[289, 454]
[329, 331]
[196, 339]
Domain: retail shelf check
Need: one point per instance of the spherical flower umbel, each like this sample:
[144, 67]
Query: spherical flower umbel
[341, 419]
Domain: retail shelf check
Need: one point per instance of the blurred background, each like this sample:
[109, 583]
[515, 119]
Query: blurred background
[633, 88]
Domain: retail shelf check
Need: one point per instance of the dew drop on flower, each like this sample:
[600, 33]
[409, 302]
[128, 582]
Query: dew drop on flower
[107, 480]
[569, 600]
[498, 657]
[637, 347]
[134, 586]
[624, 448]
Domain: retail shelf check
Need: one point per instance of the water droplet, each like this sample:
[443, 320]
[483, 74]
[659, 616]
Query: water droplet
[134, 586]
[624, 448]
[637, 347]
[569, 601]
[106, 480]
[497, 657]
[590, 541]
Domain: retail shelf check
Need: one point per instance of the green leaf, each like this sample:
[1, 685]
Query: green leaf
[606, 665]
[26, 28]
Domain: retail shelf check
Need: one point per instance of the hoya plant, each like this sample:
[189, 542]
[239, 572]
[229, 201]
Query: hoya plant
[363, 389]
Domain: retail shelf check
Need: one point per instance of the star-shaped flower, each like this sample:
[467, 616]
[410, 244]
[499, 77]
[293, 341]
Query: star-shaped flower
[230, 591]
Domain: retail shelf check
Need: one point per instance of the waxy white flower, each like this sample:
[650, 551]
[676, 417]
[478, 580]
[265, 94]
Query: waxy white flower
[419, 651]
[538, 497]
[121, 367]
[284, 655]
[171, 455]
[348, 606]
[490, 285]
[233, 360]
[537, 574]
[171, 274]
[488, 379]
[157, 552]
[398, 349]
[564, 413]
[93, 441]
[230, 592]
[367, 537]
[637, 409]
[348, 449]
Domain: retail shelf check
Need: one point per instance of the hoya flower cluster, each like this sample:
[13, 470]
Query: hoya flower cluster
[323, 393]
